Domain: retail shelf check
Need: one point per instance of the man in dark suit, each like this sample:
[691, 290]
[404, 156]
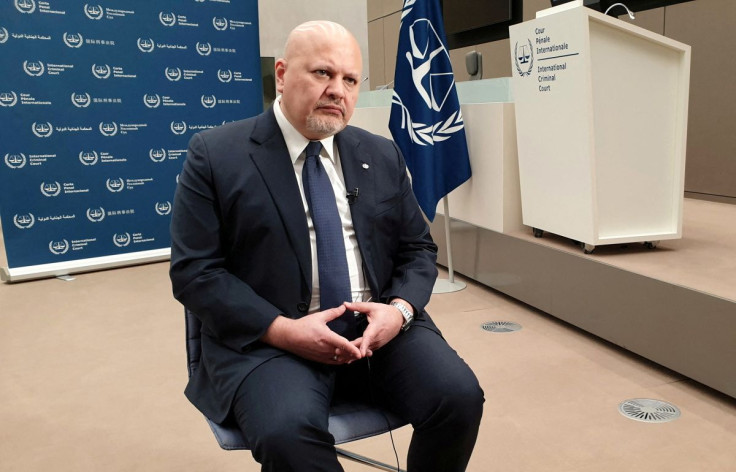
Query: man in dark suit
[245, 259]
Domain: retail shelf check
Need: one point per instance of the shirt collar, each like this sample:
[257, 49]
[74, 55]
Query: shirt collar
[295, 142]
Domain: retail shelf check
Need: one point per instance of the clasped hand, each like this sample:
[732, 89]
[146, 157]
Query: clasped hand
[310, 337]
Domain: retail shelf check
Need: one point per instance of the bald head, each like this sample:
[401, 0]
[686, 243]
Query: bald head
[316, 30]
[319, 78]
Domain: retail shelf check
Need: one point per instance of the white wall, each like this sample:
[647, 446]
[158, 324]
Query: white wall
[278, 17]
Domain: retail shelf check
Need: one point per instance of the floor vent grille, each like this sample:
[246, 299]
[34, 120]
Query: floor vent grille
[648, 410]
[501, 326]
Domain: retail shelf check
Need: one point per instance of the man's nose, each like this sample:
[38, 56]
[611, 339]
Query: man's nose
[335, 88]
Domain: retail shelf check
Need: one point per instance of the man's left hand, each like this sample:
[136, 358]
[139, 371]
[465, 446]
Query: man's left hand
[384, 323]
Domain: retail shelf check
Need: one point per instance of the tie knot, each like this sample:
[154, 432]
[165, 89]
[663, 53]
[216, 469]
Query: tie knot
[313, 148]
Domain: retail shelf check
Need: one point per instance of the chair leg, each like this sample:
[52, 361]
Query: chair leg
[367, 460]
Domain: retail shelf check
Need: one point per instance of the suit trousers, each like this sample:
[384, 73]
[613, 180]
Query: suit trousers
[283, 405]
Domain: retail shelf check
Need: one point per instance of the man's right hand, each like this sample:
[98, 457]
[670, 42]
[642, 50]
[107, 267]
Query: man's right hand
[310, 337]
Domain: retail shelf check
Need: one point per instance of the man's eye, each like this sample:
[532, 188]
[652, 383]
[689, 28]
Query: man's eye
[351, 81]
[321, 73]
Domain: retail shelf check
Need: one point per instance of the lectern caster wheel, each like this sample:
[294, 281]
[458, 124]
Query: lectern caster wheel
[651, 244]
[538, 233]
[588, 248]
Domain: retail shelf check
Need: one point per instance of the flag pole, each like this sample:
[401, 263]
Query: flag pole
[448, 285]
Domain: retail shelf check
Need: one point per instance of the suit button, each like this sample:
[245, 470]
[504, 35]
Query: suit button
[302, 307]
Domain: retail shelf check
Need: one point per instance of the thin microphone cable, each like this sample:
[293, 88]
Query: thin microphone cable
[388, 423]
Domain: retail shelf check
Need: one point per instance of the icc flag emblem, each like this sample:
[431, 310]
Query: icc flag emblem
[431, 72]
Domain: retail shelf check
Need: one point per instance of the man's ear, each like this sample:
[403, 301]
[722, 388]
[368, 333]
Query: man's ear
[280, 70]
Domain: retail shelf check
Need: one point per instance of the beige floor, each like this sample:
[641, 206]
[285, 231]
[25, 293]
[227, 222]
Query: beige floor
[703, 259]
[93, 371]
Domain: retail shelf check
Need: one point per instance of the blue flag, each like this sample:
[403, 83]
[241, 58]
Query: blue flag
[426, 121]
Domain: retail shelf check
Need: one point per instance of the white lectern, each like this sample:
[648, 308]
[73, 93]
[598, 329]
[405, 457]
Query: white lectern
[601, 121]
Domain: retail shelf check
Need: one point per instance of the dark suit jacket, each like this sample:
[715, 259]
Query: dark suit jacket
[240, 253]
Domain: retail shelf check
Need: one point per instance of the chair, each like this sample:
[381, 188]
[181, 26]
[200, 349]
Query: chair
[349, 421]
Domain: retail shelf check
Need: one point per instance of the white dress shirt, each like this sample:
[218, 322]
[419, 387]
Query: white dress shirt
[330, 160]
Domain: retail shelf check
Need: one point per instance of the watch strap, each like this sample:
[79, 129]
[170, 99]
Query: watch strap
[406, 313]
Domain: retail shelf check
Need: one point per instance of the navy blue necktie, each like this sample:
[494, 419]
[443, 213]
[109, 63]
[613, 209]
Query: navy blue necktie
[334, 278]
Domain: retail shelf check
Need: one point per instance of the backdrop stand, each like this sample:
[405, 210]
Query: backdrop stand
[449, 284]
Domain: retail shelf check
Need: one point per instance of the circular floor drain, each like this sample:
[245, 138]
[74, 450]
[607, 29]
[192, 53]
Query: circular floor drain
[648, 410]
[501, 326]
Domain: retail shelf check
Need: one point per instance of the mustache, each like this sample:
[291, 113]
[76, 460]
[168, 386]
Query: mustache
[334, 103]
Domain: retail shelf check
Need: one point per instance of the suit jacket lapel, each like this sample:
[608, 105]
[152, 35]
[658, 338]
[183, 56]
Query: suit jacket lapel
[357, 166]
[273, 162]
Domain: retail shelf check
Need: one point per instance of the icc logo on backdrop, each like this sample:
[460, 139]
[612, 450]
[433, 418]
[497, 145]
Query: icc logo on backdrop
[146, 45]
[115, 185]
[25, 6]
[224, 75]
[52, 189]
[167, 18]
[101, 71]
[163, 208]
[8, 99]
[42, 130]
[88, 158]
[178, 127]
[59, 247]
[108, 129]
[151, 101]
[33, 68]
[220, 24]
[81, 100]
[208, 101]
[157, 155]
[121, 239]
[15, 161]
[173, 74]
[204, 49]
[95, 215]
[93, 12]
[24, 221]
[73, 40]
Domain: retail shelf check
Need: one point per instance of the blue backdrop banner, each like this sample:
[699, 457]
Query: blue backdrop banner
[426, 121]
[97, 104]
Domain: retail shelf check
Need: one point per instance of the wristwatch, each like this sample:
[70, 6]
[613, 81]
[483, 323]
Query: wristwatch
[406, 313]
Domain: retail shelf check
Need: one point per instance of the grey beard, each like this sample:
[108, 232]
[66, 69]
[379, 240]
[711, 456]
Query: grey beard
[324, 126]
